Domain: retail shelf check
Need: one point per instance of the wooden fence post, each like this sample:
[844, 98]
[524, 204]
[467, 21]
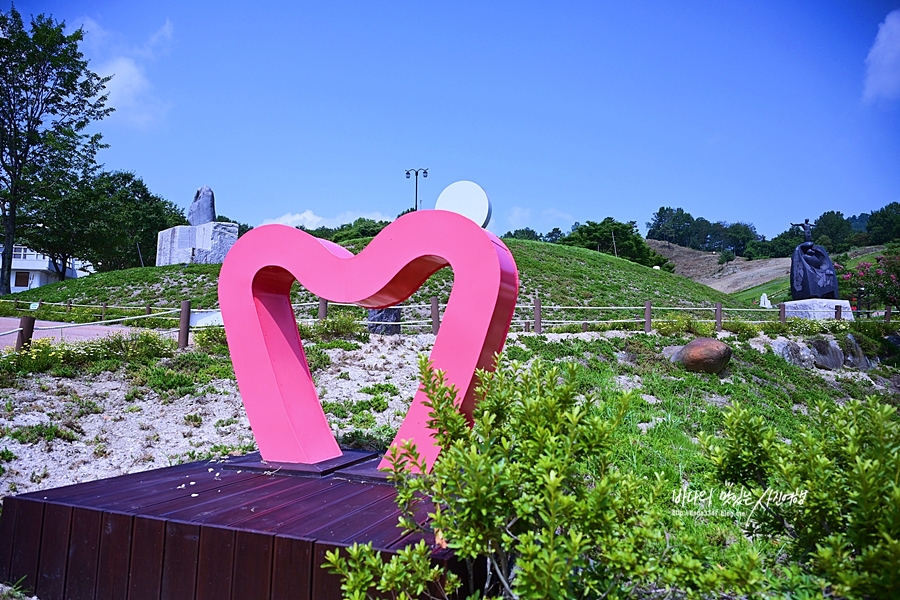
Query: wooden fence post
[782, 313]
[718, 316]
[584, 326]
[537, 315]
[648, 325]
[184, 325]
[435, 315]
[69, 305]
[527, 326]
[323, 309]
[837, 312]
[147, 310]
[103, 311]
[26, 323]
[887, 314]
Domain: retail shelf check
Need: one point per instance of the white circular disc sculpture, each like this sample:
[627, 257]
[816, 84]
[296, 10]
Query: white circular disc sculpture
[468, 199]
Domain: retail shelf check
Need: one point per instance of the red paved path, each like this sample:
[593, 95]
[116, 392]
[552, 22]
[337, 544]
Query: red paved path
[83, 332]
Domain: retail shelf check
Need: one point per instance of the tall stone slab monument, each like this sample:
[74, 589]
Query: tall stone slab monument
[204, 241]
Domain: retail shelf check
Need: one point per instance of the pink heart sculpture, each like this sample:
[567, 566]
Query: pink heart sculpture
[273, 376]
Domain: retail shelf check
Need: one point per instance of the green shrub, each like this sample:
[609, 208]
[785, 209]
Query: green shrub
[843, 522]
[343, 325]
[380, 388]
[515, 491]
[211, 339]
[29, 434]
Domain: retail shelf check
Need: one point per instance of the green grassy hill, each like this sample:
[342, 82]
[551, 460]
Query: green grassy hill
[559, 275]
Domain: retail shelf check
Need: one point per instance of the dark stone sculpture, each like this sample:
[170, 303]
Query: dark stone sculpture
[203, 208]
[812, 273]
[807, 229]
[380, 319]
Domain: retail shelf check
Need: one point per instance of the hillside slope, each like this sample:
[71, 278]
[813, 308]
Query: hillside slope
[558, 275]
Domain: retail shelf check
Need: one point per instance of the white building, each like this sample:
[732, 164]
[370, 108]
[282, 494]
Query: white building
[31, 270]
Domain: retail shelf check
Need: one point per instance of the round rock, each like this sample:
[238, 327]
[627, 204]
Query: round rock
[704, 355]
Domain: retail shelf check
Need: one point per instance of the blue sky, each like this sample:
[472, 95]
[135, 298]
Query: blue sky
[765, 112]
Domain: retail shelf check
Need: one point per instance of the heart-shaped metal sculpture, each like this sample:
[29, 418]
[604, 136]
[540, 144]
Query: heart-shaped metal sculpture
[272, 373]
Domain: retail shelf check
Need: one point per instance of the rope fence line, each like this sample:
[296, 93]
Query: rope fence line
[536, 320]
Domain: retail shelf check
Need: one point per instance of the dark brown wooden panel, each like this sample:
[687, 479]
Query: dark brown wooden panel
[292, 569]
[214, 563]
[297, 490]
[101, 487]
[269, 514]
[27, 550]
[145, 572]
[84, 554]
[254, 462]
[115, 555]
[179, 579]
[51, 584]
[325, 585]
[359, 498]
[252, 573]
[7, 535]
[189, 508]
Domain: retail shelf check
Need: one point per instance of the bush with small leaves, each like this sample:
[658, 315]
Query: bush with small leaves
[832, 494]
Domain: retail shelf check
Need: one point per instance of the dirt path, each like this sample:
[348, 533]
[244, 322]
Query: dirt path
[739, 274]
[58, 331]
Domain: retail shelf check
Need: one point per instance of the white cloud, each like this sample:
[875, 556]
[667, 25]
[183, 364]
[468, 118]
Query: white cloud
[883, 62]
[311, 220]
[551, 214]
[131, 92]
[518, 216]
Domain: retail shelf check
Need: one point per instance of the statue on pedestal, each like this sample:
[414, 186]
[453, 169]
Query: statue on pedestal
[812, 272]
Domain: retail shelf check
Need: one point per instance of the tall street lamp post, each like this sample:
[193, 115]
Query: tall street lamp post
[424, 174]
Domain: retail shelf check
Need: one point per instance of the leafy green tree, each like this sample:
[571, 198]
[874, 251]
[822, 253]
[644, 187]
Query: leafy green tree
[884, 224]
[738, 235]
[836, 228]
[523, 234]
[48, 96]
[359, 228]
[130, 217]
[553, 236]
[613, 237]
[671, 225]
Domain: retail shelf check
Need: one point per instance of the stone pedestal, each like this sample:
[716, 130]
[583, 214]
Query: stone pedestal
[203, 244]
[817, 308]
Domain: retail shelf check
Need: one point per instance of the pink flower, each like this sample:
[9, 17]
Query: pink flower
[847, 276]
[880, 272]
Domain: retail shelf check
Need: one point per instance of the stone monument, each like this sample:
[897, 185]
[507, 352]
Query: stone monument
[204, 241]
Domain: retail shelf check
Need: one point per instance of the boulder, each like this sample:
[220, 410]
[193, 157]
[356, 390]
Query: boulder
[204, 244]
[794, 353]
[854, 356]
[380, 320]
[827, 354]
[704, 355]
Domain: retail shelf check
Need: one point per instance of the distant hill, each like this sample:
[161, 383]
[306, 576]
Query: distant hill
[559, 275]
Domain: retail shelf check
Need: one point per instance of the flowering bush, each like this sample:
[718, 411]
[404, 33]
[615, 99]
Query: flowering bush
[879, 280]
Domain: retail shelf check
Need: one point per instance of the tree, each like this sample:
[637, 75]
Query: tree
[130, 217]
[613, 237]
[671, 225]
[61, 226]
[836, 228]
[884, 224]
[553, 236]
[523, 234]
[738, 235]
[48, 96]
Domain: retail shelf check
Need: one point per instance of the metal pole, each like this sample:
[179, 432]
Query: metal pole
[417, 191]
[184, 325]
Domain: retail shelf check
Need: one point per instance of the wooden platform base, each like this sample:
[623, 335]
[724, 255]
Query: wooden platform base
[239, 529]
